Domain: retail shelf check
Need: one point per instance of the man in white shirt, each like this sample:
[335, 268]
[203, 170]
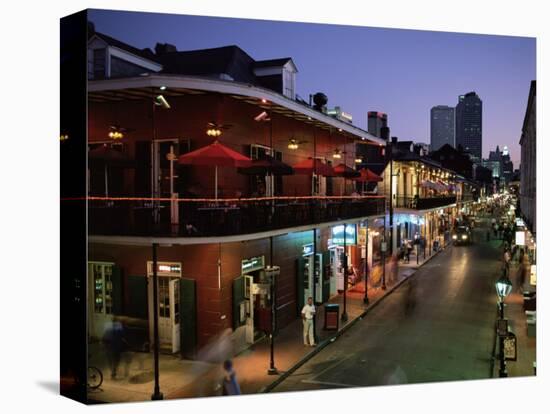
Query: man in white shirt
[308, 313]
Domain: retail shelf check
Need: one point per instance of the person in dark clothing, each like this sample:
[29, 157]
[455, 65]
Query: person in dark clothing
[230, 384]
[116, 345]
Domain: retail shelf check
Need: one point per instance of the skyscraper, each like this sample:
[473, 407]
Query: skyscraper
[442, 126]
[468, 125]
[376, 121]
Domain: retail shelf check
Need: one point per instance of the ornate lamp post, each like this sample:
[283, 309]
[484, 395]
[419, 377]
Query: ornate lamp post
[503, 287]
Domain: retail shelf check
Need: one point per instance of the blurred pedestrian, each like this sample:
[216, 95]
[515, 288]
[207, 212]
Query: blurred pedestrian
[116, 345]
[230, 383]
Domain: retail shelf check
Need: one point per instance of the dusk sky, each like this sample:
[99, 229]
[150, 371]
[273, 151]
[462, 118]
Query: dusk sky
[401, 72]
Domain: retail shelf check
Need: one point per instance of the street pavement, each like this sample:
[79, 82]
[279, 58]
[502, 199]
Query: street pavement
[437, 326]
[435, 322]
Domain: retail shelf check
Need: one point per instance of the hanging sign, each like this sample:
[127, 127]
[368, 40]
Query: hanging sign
[254, 263]
[307, 249]
[165, 269]
[510, 347]
[338, 234]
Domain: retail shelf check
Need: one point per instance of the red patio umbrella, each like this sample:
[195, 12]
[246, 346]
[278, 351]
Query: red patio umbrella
[217, 155]
[342, 170]
[308, 167]
[367, 176]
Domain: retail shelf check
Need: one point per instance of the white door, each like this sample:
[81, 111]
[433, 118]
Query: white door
[175, 313]
[168, 313]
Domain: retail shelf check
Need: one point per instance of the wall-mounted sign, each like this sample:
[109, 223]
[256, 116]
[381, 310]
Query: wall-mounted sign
[520, 238]
[307, 249]
[254, 263]
[338, 234]
[165, 269]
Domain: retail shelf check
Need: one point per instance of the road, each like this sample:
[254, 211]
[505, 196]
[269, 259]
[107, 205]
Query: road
[437, 326]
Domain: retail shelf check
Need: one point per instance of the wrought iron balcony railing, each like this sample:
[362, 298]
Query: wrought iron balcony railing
[423, 203]
[223, 217]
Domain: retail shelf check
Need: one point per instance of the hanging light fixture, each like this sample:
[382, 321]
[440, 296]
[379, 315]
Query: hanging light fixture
[337, 154]
[116, 132]
[292, 144]
[358, 160]
[213, 132]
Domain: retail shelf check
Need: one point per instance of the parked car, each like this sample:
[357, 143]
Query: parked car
[462, 235]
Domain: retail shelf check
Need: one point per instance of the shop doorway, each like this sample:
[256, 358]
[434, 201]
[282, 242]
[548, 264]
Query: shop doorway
[337, 267]
[168, 310]
[256, 294]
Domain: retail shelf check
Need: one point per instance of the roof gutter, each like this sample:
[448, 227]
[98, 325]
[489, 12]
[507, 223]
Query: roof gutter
[230, 88]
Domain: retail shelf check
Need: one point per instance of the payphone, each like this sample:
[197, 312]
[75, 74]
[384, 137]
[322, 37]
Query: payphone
[310, 270]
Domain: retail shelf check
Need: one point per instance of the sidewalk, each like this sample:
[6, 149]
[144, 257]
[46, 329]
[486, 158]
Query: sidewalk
[515, 313]
[186, 379]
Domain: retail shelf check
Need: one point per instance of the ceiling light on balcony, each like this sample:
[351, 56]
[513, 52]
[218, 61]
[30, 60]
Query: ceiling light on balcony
[292, 144]
[116, 134]
[337, 154]
[213, 132]
[358, 160]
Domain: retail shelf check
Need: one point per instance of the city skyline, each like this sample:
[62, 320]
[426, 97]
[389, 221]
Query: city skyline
[422, 68]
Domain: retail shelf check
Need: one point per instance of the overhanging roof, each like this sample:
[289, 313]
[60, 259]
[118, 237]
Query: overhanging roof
[143, 87]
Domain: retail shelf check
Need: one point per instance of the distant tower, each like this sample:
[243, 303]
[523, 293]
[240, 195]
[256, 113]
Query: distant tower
[468, 125]
[376, 121]
[442, 126]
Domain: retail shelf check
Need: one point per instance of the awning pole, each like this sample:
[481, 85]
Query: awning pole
[216, 183]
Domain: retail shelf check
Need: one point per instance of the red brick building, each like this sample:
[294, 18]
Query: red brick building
[212, 253]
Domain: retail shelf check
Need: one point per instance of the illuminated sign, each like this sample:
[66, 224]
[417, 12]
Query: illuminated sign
[520, 238]
[252, 264]
[165, 269]
[362, 236]
[307, 249]
[338, 234]
[533, 276]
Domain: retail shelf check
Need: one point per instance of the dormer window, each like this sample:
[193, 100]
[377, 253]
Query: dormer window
[288, 83]
[98, 63]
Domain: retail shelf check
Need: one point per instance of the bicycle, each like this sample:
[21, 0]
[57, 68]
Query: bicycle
[95, 378]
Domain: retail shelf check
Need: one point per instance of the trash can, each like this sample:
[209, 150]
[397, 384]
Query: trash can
[332, 316]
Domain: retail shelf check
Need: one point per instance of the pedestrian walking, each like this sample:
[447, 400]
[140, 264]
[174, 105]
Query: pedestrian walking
[408, 249]
[230, 383]
[308, 313]
[116, 345]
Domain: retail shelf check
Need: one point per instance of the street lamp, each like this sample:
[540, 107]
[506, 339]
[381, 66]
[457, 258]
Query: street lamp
[503, 287]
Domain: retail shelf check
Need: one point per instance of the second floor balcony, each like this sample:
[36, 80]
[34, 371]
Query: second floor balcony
[424, 203]
[223, 217]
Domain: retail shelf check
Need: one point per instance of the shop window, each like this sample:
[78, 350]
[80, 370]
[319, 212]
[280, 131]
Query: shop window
[103, 288]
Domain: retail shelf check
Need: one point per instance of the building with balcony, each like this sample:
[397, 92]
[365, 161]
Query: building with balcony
[216, 228]
[426, 198]
[528, 167]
